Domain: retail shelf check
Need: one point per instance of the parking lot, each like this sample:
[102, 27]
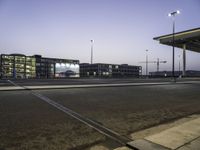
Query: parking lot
[29, 123]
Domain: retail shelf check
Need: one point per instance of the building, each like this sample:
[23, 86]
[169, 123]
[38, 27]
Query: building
[17, 66]
[109, 70]
[56, 68]
[36, 66]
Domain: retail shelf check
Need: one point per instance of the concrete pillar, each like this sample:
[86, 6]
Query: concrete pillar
[184, 59]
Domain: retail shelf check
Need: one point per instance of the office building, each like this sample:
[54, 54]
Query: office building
[36, 66]
[17, 66]
[56, 68]
[109, 70]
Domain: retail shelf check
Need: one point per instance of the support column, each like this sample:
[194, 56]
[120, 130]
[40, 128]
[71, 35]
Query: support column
[184, 59]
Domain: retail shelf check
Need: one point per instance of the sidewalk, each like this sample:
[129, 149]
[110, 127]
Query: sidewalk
[182, 136]
[10, 88]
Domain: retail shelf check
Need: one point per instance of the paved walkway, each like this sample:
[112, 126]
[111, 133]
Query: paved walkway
[10, 88]
[176, 137]
[185, 136]
[34, 87]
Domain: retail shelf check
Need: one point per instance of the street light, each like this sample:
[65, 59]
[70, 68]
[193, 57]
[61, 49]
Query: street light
[91, 50]
[173, 14]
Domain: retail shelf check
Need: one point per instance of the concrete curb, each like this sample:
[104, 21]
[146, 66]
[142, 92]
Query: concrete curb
[14, 88]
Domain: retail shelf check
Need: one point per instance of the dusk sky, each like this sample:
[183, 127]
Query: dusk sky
[121, 29]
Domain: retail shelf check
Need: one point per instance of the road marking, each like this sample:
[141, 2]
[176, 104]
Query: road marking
[84, 120]
[13, 83]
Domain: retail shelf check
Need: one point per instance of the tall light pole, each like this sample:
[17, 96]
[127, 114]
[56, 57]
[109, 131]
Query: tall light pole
[92, 41]
[173, 14]
[146, 62]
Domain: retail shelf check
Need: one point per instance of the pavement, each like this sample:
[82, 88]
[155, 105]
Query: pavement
[185, 136]
[38, 87]
[81, 81]
[179, 136]
[10, 88]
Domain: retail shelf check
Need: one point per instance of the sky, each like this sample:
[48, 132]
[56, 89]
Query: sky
[122, 30]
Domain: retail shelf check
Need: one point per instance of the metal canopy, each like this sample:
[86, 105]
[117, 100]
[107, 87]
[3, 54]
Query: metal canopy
[191, 38]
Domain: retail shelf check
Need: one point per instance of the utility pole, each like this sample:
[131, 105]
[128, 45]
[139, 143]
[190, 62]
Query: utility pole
[146, 62]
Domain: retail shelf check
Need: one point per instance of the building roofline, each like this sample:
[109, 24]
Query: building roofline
[109, 64]
[60, 59]
[177, 33]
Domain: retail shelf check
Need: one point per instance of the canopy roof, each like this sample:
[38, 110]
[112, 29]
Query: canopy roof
[189, 37]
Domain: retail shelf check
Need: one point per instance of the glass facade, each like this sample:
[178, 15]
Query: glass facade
[17, 66]
[21, 66]
[7, 65]
[30, 67]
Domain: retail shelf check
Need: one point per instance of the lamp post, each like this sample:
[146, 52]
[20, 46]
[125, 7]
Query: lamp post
[146, 62]
[173, 14]
[91, 50]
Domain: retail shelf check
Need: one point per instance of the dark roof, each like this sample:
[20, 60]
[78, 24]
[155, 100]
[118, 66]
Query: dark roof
[17, 54]
[60, 59]
[189, 37]
[186, 31]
